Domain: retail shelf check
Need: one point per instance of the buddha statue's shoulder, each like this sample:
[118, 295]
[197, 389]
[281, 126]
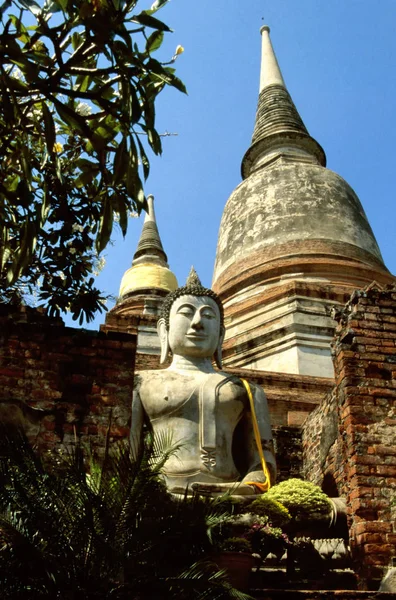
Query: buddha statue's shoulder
[158, 377]
[142, 377]
[155, 379]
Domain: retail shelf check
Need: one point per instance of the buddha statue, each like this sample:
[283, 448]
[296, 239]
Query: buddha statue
[220, 423]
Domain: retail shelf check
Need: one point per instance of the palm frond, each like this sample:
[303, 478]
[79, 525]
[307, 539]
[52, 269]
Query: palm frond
[204, 581]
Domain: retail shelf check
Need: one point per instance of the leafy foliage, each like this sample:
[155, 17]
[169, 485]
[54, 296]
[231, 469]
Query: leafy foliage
[303, 499]
[236, 544]
[115, 533]
[248, 532]
[79, 84]
[277, 514]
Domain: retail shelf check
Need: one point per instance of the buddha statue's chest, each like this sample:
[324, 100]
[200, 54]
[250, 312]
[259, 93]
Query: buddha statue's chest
[195, 398]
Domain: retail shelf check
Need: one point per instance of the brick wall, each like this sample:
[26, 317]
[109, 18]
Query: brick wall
[288, 452]
[290, 397]
[63, 382]
[351, 437]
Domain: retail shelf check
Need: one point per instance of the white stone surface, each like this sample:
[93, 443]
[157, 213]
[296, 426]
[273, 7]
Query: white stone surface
[270, 72]
[147, 341]
[206, 412]
[290, 335]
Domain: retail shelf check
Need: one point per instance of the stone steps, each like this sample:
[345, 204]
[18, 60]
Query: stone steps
[273, 583]
[269, 594]
[278, 578]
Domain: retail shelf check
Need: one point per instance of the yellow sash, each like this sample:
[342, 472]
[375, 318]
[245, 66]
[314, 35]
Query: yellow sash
[263, 487]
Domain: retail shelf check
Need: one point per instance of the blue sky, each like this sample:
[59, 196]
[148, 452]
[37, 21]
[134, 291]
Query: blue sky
[338, 61]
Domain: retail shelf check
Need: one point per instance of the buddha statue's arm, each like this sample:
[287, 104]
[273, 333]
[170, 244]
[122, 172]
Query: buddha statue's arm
[137, 419]
[247, 445]
[255, 471]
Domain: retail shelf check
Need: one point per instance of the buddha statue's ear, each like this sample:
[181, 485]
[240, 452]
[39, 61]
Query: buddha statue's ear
[218, 356]
[164, 341]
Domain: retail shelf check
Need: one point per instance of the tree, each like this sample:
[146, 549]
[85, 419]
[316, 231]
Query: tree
[78, 84]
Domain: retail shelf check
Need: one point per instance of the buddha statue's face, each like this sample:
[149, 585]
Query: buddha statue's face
[194, 326]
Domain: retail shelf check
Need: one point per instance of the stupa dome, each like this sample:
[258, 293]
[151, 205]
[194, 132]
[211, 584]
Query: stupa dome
[147, 276]
[292, 210]
[290, 215]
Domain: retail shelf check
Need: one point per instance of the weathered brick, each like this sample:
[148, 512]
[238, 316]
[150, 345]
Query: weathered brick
[391, 539]
[360, 493]
[371, 538]
[373, 527]
[387, 470]
[379, 548]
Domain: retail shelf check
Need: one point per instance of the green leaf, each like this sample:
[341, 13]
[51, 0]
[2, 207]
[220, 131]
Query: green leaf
[149, 113]
[71, 118]
[49, 128]
[136, 109]
[154, 141]
[123, 51]
[124, 220]
[165, 75]
[51, 7]
[83, 82]
[140, 199]
[45, 207]
[85, 177]
[145, 19]
[120, 163]
[132, 181]
[154, 41]
[133, 153]
[26, 164]
[58, 169]
[178, 84]
[87, 165]
[23, 254]
[63, 4]
[23, 194]
[17, 85]
[156, 6]
[31, 5]
[105, 226]
[30, 70]
[107, 128]
[143, 158]
[12, 182]
[122, 210]
[76, 39]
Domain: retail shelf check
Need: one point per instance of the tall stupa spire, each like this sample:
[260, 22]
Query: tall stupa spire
[150, 245]
[270, 72]
[294, 241]
[278, 125]
[143, 288]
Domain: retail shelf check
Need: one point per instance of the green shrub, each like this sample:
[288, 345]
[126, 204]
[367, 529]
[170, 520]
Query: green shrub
[303, 499]
[277, 514]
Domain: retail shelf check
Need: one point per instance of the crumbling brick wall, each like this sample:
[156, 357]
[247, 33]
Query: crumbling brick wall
[63, 382]
[361, 417]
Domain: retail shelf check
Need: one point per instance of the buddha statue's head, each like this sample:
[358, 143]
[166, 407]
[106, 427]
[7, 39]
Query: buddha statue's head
[192, 322]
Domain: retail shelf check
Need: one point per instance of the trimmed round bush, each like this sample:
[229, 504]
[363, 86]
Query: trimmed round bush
[303, 499]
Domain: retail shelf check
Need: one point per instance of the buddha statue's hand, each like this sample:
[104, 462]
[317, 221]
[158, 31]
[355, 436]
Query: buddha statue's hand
[218, 489]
